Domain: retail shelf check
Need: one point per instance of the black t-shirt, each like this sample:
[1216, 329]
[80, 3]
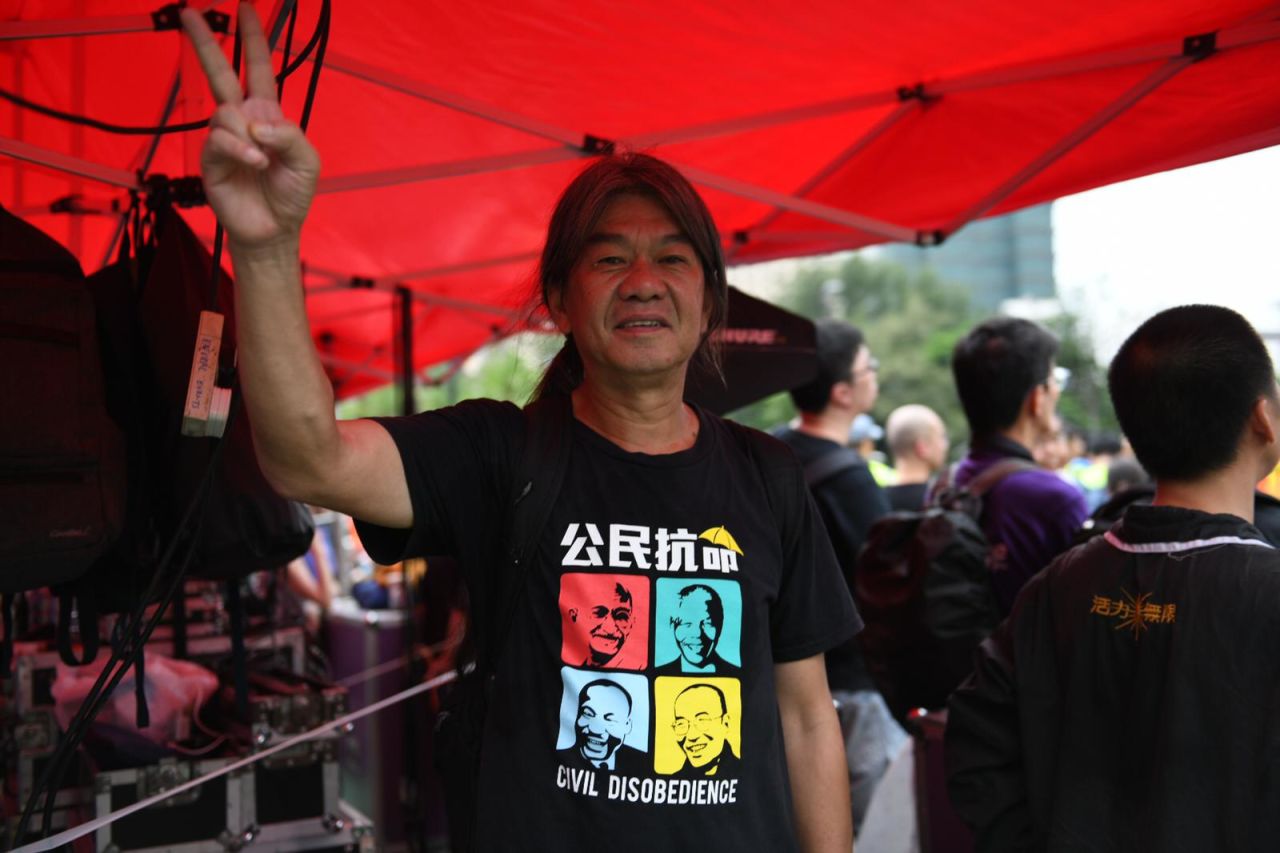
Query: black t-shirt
[907, 497]
[635, 700]
[848, 503]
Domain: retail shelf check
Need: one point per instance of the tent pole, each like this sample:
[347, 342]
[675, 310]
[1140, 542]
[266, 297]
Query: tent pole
[460, 103]
[905, 106]
[355, 367]
[436, 171]
[808, 208]
[1251, 32]
[1100, 120]
[431, 299]
[147, 155]
[404, 306]
[65, 163]
[19, 124]
[70, 27]
[75, 227]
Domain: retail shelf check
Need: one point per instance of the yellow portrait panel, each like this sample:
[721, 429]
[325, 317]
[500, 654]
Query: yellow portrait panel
[697, 724]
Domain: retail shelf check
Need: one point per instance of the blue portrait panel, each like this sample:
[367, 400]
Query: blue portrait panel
[604, 720]
[697, 626]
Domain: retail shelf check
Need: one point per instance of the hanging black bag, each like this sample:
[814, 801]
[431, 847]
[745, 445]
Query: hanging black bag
[62, 459]
[247, 526]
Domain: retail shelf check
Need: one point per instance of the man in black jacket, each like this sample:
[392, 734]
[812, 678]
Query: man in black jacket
[1129, 701]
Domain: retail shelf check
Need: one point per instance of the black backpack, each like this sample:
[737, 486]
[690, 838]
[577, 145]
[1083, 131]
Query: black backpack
[923, 589]
[62, 458]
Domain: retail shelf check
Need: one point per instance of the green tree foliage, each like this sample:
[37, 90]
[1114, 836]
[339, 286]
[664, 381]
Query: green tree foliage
[912, 322]
[1085, 404]
[507, 370]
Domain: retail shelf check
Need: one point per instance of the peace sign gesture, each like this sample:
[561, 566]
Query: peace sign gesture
[259, 170]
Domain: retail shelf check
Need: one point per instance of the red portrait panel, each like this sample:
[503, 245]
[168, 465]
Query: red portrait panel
[604, 620]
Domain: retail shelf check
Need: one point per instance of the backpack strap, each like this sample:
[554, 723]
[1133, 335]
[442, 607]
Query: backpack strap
[991, 477]
[826, 466]
[770, 455]
[539, 476]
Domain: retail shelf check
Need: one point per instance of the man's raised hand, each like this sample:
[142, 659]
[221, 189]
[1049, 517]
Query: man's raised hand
[259, 170]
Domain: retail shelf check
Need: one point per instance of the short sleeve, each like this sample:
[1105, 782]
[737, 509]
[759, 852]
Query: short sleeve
[814, 611]
[458, 465]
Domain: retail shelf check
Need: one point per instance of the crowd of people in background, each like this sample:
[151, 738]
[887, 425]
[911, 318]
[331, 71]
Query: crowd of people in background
[1066, 488]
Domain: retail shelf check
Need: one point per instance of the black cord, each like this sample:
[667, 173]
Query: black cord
[322, 28]
[158, 130]
[101, 691]
[288, 48]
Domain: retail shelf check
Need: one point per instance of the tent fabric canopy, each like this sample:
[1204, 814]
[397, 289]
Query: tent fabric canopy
[447, 130]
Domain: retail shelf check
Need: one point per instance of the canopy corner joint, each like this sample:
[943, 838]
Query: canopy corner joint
[1200, 46]
[918, 92]
[597, 145]
[166, 18]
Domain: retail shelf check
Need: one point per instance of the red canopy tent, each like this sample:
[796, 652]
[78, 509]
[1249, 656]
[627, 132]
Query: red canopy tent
[448, 129]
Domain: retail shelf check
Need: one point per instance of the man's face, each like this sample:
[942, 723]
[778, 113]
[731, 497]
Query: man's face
[864, 381]
[695, 630]
[634, 302]
[608, 624]
[604, 719]
[935, 446]
[1046, 416]
[701, 725]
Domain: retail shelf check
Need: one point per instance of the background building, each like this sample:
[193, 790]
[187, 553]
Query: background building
[1008, 257]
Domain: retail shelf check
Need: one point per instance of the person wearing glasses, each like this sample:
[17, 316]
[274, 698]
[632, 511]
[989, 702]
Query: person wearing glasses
[605, 623]
[1009, 385]
[849, 500]
[702, 726]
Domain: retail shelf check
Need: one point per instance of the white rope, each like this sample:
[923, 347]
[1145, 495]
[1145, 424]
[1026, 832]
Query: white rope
[69, 835]
[372, 672]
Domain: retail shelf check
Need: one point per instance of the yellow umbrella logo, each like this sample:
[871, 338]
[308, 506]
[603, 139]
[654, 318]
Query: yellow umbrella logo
[720, 536]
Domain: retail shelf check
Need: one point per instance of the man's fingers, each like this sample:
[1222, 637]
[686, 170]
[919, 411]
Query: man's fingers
[285, 140]
[222, 79]
[223, 145]
[257, 55]
[230, 117]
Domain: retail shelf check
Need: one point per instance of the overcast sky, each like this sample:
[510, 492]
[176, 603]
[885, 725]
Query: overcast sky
[1208, 233]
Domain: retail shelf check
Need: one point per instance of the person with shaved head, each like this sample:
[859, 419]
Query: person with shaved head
[918, 440]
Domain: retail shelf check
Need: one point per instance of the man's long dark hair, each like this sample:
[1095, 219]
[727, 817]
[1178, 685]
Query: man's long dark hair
[575, 217]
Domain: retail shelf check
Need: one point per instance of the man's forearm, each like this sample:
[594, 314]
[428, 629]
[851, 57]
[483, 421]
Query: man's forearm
[815, 757]
[819, 785]
[286, 391]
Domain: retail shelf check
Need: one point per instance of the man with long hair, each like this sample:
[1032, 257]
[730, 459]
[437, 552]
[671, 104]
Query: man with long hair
[632, 273]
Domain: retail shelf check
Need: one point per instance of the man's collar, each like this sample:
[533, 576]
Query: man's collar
[1165, 529]
[1000, 445]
